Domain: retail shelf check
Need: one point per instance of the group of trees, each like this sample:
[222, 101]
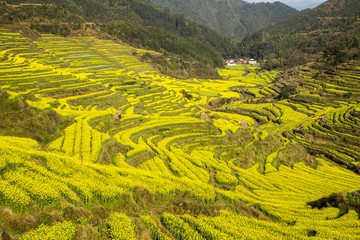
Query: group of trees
[231, 18]
[156, 38]
[140, 13]
[37, 13]
[282, 50]
[51, 28]
[328, 33]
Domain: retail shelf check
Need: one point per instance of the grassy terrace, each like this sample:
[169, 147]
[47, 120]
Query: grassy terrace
[187, 159]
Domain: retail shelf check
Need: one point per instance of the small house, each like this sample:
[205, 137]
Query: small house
[240, 61]
[230, 62]
[252, 61]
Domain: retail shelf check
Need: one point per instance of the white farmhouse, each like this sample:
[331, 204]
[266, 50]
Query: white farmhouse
[252, 61]
[230, 62]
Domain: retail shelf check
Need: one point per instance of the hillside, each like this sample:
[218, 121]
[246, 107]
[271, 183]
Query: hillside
[180, 39]
[140, 12]
[115, 124]
[332, 15]
[139, 155]
[232, 18]
[327, 32]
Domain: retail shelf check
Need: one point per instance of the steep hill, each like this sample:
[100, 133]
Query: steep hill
[140, 12]
[140, 23]
[332, 15]
[330, 31]
[233, 18]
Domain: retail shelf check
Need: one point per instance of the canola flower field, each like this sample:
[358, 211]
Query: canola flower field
[171, 144]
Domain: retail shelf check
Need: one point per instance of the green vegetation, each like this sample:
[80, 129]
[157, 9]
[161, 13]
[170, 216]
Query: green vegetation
[44, 18]
[22, 120]
[187, 48]
[329, 33]
[179, 52]
[234, 19]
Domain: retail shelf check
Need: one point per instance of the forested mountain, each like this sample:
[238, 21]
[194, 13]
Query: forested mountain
[141, 24]
[333, 14]
[139, 12]
[330, 32]
[233, 18]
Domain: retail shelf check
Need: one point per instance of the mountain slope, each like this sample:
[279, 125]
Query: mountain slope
[233, 18]
[186, 159]
[140, 24]
[330, 31]
[141, 12]
[334, 14]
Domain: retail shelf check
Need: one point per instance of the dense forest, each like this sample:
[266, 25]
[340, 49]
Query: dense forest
[142, 13]
[329, 33]
[232, 18]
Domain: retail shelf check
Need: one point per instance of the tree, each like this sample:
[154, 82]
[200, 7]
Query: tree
[286, 91]
[334, 55]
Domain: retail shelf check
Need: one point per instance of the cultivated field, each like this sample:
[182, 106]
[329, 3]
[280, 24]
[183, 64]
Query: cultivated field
[187, 159]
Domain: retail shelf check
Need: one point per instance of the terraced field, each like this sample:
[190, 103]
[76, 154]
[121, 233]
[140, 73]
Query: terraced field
[149, 156]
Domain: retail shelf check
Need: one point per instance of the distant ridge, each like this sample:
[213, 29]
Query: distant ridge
[232, 18]
[331, 28]
[299, 5]
[325, 15]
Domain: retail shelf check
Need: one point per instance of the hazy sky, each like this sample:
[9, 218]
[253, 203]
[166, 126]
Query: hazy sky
[298, 4]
